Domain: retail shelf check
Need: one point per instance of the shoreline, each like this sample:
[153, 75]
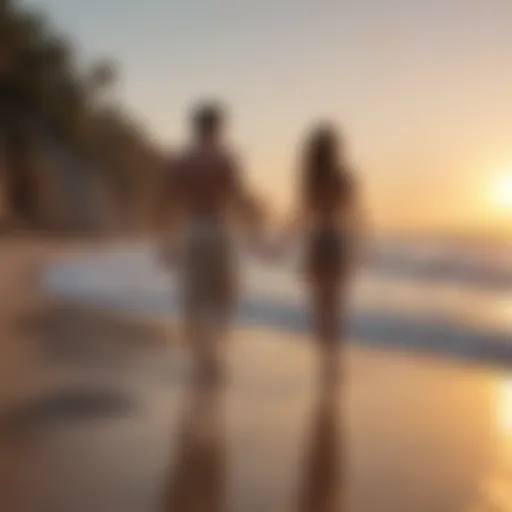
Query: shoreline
[98, 398]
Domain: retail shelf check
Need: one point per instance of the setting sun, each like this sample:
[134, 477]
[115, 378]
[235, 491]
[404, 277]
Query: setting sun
[502, 193]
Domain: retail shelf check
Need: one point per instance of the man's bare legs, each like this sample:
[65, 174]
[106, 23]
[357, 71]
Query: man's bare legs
[207, 333]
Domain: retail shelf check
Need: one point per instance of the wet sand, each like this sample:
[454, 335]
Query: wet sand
[97, 414]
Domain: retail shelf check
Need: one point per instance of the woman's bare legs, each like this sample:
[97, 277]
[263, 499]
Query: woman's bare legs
[209, 306]
[327, 319]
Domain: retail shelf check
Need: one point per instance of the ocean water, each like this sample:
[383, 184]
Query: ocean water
[451, 300]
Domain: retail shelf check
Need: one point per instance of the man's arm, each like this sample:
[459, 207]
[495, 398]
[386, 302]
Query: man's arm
[168, 212]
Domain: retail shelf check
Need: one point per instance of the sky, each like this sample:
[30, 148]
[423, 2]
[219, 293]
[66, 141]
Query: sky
[421, 90]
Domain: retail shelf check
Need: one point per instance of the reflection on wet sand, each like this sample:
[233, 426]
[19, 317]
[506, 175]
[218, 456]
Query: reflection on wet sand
[322, 487]
[498, 489]
[198, 477]
[13, 446]
[504, 403]
[495, 493]
[28, 429]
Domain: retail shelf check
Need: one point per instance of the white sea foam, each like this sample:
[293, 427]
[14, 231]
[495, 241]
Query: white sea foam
[410, 305]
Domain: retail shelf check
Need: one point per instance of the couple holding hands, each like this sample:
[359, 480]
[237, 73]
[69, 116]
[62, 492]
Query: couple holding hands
[205, 201]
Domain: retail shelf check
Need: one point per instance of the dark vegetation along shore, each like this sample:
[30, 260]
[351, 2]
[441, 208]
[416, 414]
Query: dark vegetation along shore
[69, 158]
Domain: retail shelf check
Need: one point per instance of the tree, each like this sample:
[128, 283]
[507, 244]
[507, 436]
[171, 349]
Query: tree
[101, 77]
[43, 91]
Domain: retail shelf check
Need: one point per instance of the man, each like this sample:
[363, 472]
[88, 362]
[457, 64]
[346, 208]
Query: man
[203, 194]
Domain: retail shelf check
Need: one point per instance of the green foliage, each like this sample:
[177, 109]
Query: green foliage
[41, 85]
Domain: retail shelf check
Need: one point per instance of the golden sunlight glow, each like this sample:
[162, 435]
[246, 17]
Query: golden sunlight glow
[502, 191]
[504, 403]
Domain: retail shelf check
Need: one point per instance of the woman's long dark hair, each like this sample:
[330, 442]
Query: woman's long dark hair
[321, 167]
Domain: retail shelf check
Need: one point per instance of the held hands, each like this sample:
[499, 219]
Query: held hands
[270, 248]
[280, 243]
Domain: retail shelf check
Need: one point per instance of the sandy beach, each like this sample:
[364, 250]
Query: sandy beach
[159, 156]
[93, 408]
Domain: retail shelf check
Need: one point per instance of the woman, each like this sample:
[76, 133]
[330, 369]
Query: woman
[327, 211]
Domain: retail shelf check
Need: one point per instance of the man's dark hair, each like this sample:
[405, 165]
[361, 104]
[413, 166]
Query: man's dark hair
[207, 119]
